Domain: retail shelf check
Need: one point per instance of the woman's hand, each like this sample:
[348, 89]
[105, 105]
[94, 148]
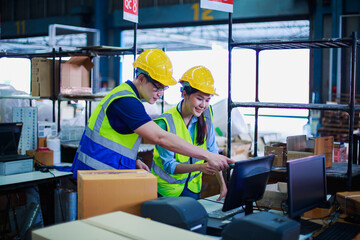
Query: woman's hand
[208, 169]
[141, 165]
[223, 191]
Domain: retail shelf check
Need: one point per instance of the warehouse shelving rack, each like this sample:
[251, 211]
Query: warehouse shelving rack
[350, 43]
[57, 55]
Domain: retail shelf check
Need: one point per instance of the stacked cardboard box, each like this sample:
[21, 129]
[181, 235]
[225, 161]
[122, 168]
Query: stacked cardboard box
[349, 202]
[106, 191]
[274, 197]
[279, 151]
[75, 77]
[116, 226]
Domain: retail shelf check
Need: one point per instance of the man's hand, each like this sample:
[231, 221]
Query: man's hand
[141, 165]
[208, 169]
[219, 162]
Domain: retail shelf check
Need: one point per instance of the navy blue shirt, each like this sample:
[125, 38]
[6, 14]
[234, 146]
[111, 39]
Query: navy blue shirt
[127, 113]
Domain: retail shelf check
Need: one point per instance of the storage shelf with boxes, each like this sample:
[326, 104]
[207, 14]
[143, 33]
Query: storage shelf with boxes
[350, 43]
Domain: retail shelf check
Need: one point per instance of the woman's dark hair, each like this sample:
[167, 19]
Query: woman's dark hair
[202, 130]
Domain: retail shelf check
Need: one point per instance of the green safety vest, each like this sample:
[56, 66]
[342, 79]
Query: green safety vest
[174, 184]
[100, 131]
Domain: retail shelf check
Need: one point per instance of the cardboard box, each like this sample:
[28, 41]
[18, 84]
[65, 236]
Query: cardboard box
[105, 191]
[274, 196]
[325, 145]
[116, 226]
[42, 157]
[75, 76]
[239, 150]
[299, 146]
[319, 212]
[280, 152]
[291, 155]
[42, 77]
[349, 202]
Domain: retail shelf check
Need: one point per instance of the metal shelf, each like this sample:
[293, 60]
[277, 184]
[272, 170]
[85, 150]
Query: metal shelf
[341, 107]
[295, 44]
[349, 43]
[88, 51]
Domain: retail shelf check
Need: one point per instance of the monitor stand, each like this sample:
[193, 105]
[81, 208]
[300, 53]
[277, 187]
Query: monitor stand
[307, 226]
[248, 207]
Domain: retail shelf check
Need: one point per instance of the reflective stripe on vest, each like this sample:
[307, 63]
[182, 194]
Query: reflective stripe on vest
[161, 173]
[112, 145]
[91, 162]
[178, 179]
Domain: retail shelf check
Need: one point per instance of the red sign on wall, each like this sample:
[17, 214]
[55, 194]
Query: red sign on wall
[220, 5]
[131, 10]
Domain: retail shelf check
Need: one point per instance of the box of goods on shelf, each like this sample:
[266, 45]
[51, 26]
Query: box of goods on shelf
[336, 123]
[300, 146]
[75, 76]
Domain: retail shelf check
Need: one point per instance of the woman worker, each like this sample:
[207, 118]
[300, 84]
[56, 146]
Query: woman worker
[113, 134]
[191, 119]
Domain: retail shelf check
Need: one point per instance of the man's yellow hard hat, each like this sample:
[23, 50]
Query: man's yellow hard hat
[157, 65]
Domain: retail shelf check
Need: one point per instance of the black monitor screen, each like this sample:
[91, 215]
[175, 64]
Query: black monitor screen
[9, 138]
[306, 184]
[248, 182]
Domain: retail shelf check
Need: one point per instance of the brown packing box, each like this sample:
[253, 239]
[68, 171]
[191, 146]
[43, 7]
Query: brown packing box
[349, 202]
[275, 194]
[41, 77]
[116, 226]
[41, 142]
[239, 150]
[75, 76]
[105, 191]
[319, 212]
[299, 146]
[279, 150]
[44, 157]
[296, 154]
[325, 145]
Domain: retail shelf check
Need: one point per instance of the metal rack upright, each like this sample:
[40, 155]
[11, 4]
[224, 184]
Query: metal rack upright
[350, 43]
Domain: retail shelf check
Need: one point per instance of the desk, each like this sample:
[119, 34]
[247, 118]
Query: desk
[46, 181]
[16, 181]
[335, 176]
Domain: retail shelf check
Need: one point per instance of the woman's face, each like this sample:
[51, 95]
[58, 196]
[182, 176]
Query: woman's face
[196, 103]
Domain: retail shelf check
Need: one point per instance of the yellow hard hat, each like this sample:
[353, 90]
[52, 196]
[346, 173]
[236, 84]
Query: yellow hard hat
[157, 65]
[200, 77]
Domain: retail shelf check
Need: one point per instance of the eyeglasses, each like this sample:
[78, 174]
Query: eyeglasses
[156, 88]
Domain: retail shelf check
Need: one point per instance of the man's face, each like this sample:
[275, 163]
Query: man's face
[155, 90]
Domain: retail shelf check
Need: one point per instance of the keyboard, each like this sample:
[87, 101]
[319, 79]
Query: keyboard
[219, 214]
[339, 230]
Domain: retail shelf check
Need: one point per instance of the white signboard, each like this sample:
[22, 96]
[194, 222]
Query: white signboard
[220, 5]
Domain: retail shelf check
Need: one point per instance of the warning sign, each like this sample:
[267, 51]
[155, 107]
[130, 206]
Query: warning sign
[131, 10]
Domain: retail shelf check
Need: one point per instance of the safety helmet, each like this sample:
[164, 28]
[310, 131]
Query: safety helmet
[200, 77]
[157, 65]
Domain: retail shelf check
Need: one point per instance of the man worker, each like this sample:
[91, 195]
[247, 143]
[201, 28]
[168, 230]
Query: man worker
[113, 134]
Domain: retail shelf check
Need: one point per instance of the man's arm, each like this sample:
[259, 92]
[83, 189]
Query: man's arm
[154, 133]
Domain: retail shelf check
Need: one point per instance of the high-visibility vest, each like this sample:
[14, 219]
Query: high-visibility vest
[173, 184]
[100, 132]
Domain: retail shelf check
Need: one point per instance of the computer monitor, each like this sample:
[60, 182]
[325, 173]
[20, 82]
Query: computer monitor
[9, 138]
[306, 184]
[248, 182]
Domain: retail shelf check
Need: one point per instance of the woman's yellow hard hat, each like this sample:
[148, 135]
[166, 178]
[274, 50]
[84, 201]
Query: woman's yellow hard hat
[200, 77]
